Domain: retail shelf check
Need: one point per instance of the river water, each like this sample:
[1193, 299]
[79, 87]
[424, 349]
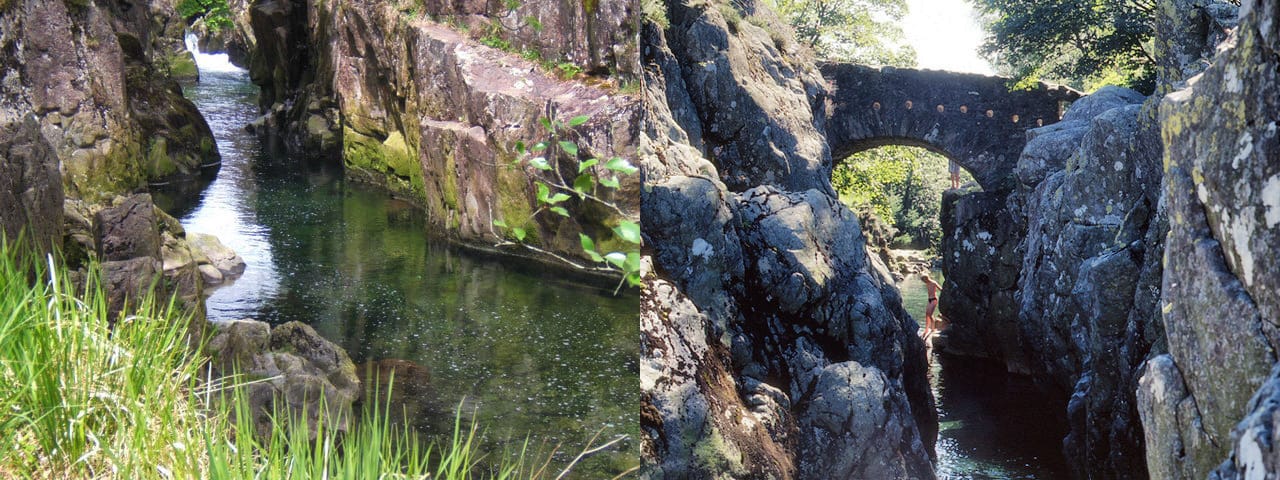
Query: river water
[527, 351]
[992, 425]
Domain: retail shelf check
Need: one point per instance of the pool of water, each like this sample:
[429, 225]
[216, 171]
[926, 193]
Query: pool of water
[992, 425]
[530, 352]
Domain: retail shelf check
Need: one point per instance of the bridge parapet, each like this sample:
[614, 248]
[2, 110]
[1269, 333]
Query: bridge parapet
[973, 119]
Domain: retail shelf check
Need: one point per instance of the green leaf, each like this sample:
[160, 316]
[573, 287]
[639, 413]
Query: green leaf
[557, 198]
[543, 192]
[584, 184]
[500, 223]
[519, 233]
[540, 146]
[621, 166]
[587, 243]
[633, 279]
[520, 147]
[633, 261]
[546, 123]
[611, 182]
[540, 163]
[628, 231]
[582, 167]
[618, 259]
[561, 211]
[578, 120]
[569, 148]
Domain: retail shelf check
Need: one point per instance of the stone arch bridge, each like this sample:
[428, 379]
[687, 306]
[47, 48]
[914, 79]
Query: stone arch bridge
[975, 120]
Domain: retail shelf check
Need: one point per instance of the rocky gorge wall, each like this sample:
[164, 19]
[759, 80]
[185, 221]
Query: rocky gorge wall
[1062, 278]
[432, 99]
[1213, 392]
[773, 345]
[99, 78]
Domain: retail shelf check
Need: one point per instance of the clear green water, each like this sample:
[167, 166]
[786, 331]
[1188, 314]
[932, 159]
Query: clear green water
[529, 350]
[992, 425]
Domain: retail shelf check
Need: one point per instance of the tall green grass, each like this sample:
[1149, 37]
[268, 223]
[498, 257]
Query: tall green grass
[80, 398]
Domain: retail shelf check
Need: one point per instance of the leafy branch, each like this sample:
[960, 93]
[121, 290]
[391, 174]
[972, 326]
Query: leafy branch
[581, 181]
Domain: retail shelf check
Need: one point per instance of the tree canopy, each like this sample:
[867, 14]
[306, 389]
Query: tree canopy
[901, 185]
[859, 31]
[1081, 43]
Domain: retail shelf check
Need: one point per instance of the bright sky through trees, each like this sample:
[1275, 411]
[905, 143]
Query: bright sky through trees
[946, 35]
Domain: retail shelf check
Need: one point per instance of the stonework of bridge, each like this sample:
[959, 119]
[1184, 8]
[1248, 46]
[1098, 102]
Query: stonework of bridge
[974, 120]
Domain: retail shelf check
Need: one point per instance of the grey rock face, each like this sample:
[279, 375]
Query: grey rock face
[772, 344]
[305, 373]
[1060, 278]
[421, 107]
[1220, 298]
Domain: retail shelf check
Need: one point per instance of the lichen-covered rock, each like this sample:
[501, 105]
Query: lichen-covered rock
[30, 186]
[1220, 299]
[773, 345]
[304, 373]
[99, 78]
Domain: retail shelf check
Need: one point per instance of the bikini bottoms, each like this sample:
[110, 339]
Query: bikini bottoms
[933, 299]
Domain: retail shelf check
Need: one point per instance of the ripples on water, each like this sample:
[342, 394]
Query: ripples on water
[530, 351]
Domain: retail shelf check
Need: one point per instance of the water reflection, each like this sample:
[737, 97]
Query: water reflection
[532, 352]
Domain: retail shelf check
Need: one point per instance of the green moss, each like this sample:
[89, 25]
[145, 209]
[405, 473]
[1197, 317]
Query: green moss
[183, 66]
[393, 161]
[159, 164]
[449, 183]
[513, 201]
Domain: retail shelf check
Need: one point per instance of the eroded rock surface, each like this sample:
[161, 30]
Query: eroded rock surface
[773, 344]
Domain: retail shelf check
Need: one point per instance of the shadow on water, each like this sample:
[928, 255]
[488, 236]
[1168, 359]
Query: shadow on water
[528, 350]
[992, 424]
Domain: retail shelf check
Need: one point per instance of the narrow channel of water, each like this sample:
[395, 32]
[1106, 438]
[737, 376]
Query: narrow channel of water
[530, 352]
[992, 425]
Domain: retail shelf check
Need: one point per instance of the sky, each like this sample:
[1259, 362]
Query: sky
[946, 35]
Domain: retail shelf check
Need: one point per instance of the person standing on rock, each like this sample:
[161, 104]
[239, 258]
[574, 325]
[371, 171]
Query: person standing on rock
[934, 288]
[954, 168]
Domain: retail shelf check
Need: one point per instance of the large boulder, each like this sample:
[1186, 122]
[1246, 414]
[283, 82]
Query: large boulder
[302, 374]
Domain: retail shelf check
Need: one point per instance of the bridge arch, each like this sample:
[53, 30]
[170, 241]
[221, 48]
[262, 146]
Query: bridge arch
[974, 120]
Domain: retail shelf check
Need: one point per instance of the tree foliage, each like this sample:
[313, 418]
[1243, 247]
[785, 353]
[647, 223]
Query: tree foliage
[902, 185]
[216, 13]
[858, 31]
[580, 181]
[1081, 43]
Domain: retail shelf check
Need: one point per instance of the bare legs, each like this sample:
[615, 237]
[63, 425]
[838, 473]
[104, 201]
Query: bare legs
[929, 327]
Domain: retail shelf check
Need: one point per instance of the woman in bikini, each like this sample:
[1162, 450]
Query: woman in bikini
[934, 288]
